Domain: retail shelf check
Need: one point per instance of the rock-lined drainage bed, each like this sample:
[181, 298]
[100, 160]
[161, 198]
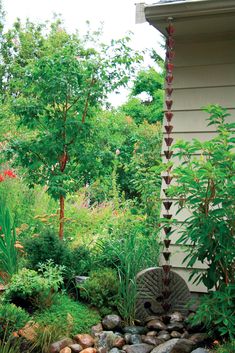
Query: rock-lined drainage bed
[164, 334]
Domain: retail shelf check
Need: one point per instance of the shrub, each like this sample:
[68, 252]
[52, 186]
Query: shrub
[101, 290]
[205, 187]
[48, 246]
[12, 319]
[33, 291]
[217, 312]
[64, 309]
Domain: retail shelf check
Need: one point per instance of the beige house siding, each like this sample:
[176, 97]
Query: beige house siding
[204, 74]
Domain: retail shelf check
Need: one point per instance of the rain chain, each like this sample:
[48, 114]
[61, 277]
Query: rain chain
[167, 203]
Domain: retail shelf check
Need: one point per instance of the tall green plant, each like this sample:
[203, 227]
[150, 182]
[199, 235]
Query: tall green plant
[8, 252]
[131, 258]
[205, 187]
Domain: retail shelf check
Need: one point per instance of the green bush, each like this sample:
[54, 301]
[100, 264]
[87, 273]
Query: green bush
[12, 318]
[48, 246]
[44, 247]
[33, 291]
[217, 312]
[205, 188]
[66, 312]
[101, 290]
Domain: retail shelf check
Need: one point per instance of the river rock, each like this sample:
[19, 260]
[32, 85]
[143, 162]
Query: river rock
[153, 340]
[150, 318]
[185, 334]
[114, 350]
[66, 350]
[162, 332]
[182, 346]
[135, 339]
[199, 350]
[175, 326]
[96, 329]
[175, 334]
[89, 350]
[166, 347]
[127, 337]
[152, 333]
[57, 346]
[138, 348]
[76, 348]
[198, 338]
[84, 340]
[164, 337]
[139, 330]
[156, 325]
[176, 317]
[114, 340]
[111, 322]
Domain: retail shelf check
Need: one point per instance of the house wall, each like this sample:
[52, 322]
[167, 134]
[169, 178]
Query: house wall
[204, 74]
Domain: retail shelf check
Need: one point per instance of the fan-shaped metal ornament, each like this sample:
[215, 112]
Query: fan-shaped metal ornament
[151, 293]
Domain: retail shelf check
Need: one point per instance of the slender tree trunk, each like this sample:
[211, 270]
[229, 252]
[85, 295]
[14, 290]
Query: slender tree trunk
[61, 219]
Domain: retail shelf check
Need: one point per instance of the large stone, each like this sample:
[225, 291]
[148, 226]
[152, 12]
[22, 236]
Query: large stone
[156, 325]
[139, 330]
[198, 338]
[66, 350]
[76, 348]
[57, 346]
[111, 322]
[149, 293]
[182, 346]
[153, 340]
[84, 340]
[138, 348]
[199, 350]
[166, 347]
[89, 350]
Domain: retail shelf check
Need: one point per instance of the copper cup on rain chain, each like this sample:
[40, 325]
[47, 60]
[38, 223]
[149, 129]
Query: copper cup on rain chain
[167, 230]
[167, 243]
[166, 255]
[168, 154]
[168, 128]
[167, 204]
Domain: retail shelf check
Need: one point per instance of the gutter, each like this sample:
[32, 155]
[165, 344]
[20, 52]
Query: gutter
[182, 9]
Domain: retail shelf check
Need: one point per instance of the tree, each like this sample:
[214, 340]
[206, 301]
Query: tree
[146, 99]
[54, 90]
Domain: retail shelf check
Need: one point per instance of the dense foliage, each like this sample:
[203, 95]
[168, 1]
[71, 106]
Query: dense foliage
[205, 186]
